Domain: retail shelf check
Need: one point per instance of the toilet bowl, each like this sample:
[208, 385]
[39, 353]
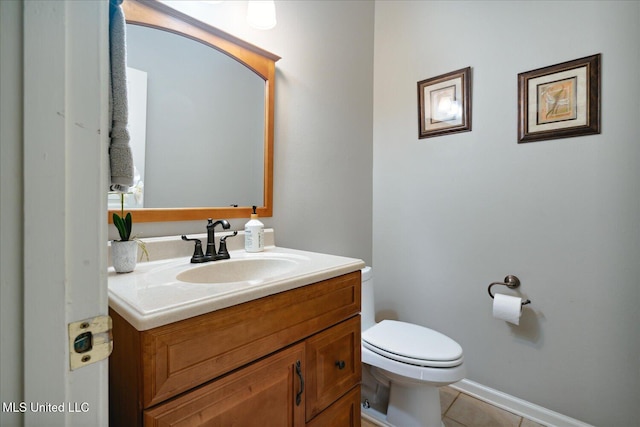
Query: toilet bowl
[413, 361]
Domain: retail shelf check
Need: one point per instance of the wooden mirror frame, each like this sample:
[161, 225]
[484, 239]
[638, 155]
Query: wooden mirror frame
[152, 13]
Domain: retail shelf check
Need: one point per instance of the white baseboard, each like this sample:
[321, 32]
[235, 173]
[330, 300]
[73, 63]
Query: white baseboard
[374, 417]
[517, 406]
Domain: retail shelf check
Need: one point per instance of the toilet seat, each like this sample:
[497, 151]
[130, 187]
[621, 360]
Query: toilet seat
[412, 344]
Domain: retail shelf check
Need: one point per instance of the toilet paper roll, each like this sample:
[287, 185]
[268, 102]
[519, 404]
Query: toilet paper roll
[507, 308]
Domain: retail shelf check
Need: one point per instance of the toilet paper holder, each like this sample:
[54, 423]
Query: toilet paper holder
[510, 282]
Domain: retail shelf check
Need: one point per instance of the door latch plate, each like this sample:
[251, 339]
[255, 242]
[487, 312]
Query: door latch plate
[90, 341]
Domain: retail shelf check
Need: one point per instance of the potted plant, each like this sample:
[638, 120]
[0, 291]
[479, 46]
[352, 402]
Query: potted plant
[124, 251]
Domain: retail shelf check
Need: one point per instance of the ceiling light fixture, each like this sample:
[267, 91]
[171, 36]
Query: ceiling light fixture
[261, 14]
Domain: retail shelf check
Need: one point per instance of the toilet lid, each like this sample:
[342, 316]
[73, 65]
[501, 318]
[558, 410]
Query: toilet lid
[414, 344]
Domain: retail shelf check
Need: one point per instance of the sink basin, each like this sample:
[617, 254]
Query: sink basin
[240, 270]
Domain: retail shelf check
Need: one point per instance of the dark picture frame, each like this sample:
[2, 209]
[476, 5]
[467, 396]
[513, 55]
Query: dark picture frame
[560, 101]
[444, 104]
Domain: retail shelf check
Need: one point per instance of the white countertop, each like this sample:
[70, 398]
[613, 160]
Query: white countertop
[151, 296]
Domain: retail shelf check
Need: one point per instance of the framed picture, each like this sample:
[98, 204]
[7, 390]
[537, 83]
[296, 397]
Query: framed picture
[559, 101]
[444, 104]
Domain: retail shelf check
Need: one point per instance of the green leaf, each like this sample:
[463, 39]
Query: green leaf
[123, 226]
[128, 224]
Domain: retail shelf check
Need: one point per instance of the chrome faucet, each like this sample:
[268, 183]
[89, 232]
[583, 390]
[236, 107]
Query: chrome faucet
[210, 254]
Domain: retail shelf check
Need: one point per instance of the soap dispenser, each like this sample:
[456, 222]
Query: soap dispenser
[254, 234]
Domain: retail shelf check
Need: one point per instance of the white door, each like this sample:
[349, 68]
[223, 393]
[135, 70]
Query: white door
[65, 181]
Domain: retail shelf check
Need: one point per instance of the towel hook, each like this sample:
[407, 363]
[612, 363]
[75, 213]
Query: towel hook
[510, 282]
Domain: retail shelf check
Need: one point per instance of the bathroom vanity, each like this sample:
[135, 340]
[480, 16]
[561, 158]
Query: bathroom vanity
[283, 350]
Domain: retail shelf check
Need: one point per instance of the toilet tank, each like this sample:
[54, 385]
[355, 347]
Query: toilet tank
[367, 313]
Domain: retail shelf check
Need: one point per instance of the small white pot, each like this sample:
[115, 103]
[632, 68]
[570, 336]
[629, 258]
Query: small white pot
[124, 255]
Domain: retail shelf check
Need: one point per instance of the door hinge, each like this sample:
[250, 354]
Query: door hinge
[90, 341]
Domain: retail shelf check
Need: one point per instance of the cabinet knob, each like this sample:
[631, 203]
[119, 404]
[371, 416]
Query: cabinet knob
[340, 364]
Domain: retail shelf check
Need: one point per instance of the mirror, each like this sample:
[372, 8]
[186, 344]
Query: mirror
[253, 120]
[197, 131]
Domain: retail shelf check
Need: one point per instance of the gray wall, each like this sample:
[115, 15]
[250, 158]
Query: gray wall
[454, 213]
[324, 110]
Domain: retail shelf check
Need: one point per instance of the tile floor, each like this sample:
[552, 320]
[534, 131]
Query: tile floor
[462, 410]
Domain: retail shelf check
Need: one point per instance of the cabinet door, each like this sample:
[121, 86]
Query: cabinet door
[343, 413]
[268, 392]
[333, 365]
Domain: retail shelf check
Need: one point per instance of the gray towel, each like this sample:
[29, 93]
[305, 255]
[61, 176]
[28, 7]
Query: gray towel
[120, 155]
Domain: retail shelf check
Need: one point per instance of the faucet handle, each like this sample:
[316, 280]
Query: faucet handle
[223, 253]
[198, 256]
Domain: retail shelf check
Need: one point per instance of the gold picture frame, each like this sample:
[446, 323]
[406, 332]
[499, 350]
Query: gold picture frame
[560, 101]
[444, 104]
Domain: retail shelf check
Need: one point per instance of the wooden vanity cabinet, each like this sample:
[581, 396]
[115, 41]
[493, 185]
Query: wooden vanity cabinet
[289, 359]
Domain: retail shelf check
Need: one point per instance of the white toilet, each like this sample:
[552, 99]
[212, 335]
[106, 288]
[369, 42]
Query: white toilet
[413, 361]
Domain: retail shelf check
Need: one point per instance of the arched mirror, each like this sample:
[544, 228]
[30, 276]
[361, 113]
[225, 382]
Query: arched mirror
[201, 118]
